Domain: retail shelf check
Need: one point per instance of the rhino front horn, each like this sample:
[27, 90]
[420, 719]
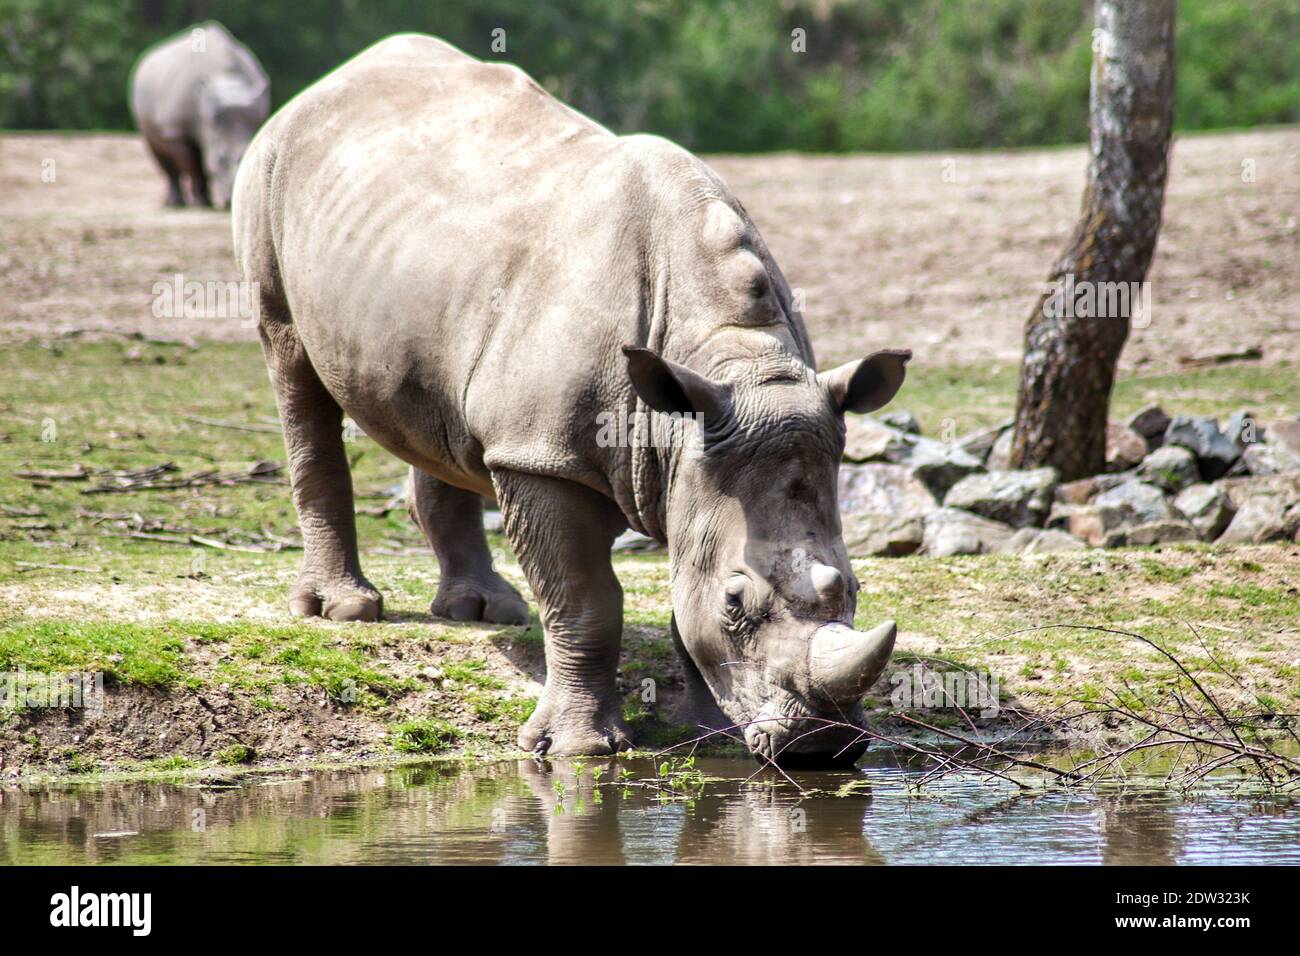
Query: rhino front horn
[843, 663]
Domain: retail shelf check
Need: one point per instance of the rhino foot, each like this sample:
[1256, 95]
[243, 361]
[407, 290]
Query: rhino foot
[567, 725]
[464, 599]
[352, 599]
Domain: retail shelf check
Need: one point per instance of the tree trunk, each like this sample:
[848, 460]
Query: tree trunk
[1074, 336]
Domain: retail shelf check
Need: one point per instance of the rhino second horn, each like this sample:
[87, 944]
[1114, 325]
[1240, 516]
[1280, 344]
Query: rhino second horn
[827, 582]
[843, 663]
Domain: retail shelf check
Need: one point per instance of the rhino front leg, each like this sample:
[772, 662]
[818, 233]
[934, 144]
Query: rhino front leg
[330, 583]
[469, 588]
[172, 170]
[562, 532]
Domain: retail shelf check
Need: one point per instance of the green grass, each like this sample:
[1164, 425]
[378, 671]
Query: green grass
[234, 755]
[972, 397]
[124, 652]
[428, 736]
[169, 616]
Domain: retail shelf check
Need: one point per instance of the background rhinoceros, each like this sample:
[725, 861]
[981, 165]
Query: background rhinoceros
[198, 99]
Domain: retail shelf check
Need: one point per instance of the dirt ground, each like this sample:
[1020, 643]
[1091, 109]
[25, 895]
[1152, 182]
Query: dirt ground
[942, 253]
[886, 250]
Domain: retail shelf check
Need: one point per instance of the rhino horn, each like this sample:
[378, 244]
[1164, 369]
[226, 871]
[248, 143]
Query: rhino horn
[843, 663]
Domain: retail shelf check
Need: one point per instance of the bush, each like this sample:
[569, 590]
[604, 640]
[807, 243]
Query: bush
[719, 76]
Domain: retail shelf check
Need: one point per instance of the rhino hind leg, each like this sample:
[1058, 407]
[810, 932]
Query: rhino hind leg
[562, 532]
[469, 588]
[330, 583]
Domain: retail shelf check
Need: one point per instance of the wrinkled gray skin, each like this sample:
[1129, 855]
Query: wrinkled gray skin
[474, 272]
[198, 99]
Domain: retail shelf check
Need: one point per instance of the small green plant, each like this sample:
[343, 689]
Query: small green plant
[680, 779]
[235, 754]
[80, 763]
[428, 736]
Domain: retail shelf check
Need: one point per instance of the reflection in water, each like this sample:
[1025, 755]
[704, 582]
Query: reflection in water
[511, 813]
[1138, 829]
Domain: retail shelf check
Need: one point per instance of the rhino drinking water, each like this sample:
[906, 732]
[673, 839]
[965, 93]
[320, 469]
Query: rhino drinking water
[479, 276]
[198, 99]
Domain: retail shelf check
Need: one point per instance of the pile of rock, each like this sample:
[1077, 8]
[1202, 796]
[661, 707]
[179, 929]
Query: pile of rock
[1167, 479]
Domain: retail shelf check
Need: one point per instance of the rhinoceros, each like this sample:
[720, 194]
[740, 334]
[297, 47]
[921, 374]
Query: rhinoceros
[480, 277]
[198, 99]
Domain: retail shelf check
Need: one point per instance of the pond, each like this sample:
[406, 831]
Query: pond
[721, 810]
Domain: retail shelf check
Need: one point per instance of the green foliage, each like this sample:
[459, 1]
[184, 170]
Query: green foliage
[235, 754]
[429, 736]
[715, 76]
[125, 653]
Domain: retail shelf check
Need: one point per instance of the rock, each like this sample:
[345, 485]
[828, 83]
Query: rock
[1094, 523]
[1269, 459]
[1239, 490]
[904, 421]
[1215, 452]
[940, 466]
[873, 534]
[1083, 490]
[1124, 447]
[634, 541]
[1150, 423]
[1291, 523]
[1285, 434]
[949, 532]
[1040, 541]
[1139, 502]
[999, 457]
[1156, 532]
[882, 508]
[869, 440]
[883, 489]
[937, 464]
[1059, 516]
[1259, 519]
[1207, 508]
[978, 444]
[1172, 468]
[1017, 498]
[1078, 492]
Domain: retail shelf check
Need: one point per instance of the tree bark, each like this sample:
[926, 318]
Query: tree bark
[1070, 350]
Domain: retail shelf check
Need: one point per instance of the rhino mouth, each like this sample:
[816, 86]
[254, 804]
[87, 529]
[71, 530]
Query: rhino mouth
[795, 734]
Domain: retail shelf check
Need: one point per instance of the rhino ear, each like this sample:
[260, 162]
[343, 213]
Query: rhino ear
[869, 383]
[668, 387]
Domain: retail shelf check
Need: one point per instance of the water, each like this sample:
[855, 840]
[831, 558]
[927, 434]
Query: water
[519, 813]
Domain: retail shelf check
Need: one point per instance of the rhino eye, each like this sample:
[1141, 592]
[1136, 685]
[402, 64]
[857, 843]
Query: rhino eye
[734, 594]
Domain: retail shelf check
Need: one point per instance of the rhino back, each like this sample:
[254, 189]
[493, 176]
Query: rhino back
[463, 256]
[445, 235]
[166, 80]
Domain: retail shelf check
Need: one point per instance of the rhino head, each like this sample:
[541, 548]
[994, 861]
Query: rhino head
[230, 112]
[763, 593]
